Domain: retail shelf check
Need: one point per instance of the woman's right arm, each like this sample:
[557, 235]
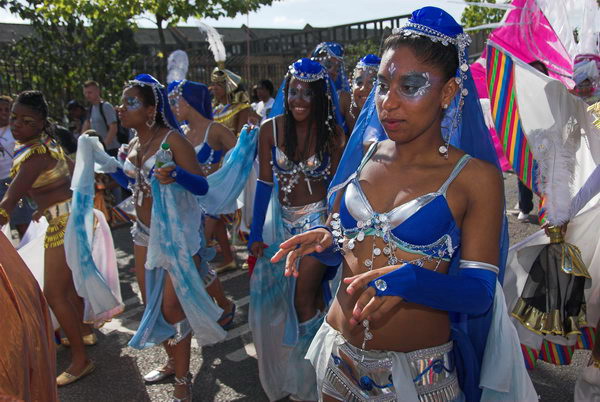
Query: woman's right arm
[23, 181]
[264, 188]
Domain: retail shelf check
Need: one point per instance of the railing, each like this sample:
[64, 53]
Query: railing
[268, 57]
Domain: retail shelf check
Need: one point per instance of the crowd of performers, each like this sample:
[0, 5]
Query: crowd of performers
[375, 211]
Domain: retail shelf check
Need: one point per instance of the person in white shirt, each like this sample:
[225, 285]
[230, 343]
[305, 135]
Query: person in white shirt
[21, 215]
[264, 91]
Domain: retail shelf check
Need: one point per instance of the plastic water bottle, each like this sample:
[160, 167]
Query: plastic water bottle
[164, 156]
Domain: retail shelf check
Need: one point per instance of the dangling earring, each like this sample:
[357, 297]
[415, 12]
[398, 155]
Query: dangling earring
[150, 123]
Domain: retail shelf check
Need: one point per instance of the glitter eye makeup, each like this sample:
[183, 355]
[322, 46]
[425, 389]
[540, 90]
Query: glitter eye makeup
[133, 103]
[363, 79]
[300, 93]
[28, 121]
[414, 84]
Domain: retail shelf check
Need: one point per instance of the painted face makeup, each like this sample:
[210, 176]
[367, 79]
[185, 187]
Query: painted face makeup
[364, 79]
[27, 121]
[411, 86]
[133, 103]
[298, 92]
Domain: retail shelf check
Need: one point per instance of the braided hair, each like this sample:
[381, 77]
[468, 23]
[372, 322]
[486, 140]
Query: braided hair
[35, 101]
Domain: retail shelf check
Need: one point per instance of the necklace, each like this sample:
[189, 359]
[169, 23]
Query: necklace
[141, 188]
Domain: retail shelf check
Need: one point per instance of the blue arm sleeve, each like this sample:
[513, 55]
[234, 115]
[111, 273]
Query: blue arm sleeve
[470, 292]
[331, 256]
[121, 178]
[261, 203]
[193, 183]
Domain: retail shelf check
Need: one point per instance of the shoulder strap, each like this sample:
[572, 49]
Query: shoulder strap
[207, 131]
[367, 156]
[455, 172]
[165, 138]
[101, 106]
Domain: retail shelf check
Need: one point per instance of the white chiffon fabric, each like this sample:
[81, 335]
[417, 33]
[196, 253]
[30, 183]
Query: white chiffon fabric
[31, 250]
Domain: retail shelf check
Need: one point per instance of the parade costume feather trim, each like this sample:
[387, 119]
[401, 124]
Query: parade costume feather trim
[215, 43]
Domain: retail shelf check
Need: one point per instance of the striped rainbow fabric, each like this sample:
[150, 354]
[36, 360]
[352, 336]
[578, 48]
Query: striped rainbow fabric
[505, 112]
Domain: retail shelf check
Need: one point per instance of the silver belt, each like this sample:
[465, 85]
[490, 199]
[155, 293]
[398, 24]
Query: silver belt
[369, 377]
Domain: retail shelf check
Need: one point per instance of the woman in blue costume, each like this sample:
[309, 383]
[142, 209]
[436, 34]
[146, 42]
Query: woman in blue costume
[299, 151]
[176, 302]
[364, 77]
[191, 103]
[417, 222]
[331, 56]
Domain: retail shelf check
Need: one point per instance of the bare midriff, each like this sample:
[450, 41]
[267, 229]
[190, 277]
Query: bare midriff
[405, 328]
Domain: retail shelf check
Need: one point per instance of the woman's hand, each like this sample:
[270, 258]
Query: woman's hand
[163, 174]
[315, 240]
[369, 306]
[256, 248]
[123, 152]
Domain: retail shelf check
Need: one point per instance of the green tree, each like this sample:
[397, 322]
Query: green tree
[473, 16]
[63, 52]
[163, 13]
[355, 51]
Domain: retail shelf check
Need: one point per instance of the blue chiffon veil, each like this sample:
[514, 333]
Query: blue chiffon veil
[195, 94]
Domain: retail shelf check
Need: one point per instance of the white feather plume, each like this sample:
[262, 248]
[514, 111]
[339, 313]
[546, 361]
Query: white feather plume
[215, 43]
[556, 167]
[177, 66]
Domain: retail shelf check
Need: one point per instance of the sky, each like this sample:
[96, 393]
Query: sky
[318, 13]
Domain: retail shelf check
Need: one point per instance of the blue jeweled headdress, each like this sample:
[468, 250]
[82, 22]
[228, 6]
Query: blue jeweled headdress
[336, 51]
[195, 94]
[160, 99]
[369, 62]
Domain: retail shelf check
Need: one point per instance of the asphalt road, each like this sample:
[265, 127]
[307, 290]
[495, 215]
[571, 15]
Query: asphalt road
[228, 371]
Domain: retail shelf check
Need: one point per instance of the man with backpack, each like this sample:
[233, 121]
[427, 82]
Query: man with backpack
[101, 117]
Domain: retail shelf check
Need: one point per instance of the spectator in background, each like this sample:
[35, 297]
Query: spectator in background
[102, 117]
[254, 96]
[264, 91]
[21, 215]
[76, 115]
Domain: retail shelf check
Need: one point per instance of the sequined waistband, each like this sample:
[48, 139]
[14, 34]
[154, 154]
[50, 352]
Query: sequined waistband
[56, 210]
[360, 375]
[293, 215]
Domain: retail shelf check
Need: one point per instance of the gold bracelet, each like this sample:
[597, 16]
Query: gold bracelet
[4, 213]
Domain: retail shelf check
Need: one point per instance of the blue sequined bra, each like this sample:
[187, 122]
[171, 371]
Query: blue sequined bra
[423, 226]
[206, 155]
